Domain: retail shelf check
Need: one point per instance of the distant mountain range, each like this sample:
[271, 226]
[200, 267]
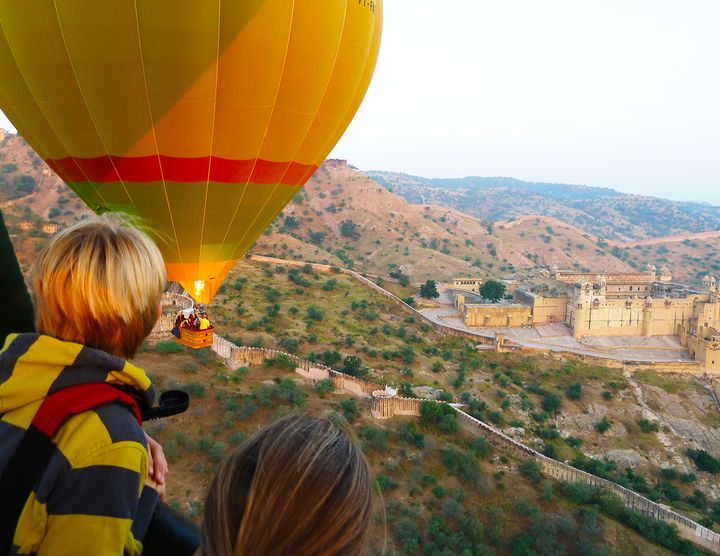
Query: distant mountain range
[599, 211]
[384, 223]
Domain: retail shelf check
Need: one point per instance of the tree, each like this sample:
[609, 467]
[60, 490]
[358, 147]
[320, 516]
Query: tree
[603, 425]
[428, 290]
[551, 403]
[353, 366]
[404, 280]
[348, 229]
[492, 290]
[575, 391]
[292, 222]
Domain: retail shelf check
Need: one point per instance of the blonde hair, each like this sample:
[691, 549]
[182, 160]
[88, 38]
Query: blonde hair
[99, 283]
[299, 487]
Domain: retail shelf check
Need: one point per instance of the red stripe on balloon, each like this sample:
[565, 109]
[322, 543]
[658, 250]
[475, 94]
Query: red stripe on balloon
[142, 169]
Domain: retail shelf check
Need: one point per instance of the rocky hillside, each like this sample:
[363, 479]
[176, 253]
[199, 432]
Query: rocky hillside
[440, 485]
[598, 211]
[344, 218]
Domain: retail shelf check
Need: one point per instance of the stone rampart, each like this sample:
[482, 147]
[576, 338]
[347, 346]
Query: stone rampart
[47, 227]
[167, 320]
[385, 405]
[256, 356]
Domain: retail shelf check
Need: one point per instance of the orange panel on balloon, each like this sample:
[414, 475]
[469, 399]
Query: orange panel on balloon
[201, 117]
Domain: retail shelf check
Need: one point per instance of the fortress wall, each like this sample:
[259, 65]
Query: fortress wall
[684, 367]
[167, 320]
[497, 315]
[610, 278]
[382, 407]
[283, 262]
[689, 529]
[385, 407]
[479, 338]
[362, 388]
[407, 406]
[451, 316]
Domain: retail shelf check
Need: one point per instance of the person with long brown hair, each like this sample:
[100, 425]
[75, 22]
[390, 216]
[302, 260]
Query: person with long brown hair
[299, 487]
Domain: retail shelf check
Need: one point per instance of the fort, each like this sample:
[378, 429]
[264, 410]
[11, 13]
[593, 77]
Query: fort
[386, 404]
[645, 304]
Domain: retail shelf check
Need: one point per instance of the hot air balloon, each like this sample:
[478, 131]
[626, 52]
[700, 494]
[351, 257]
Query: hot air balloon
[202, 117]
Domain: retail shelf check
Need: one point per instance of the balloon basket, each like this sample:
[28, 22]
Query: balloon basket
[196, 339]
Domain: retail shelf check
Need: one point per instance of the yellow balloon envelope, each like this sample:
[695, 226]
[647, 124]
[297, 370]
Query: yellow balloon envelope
[202, 117]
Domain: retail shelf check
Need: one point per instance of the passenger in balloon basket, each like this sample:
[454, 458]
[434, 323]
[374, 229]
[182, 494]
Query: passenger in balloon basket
[179, 322]
[204, 322]
[97, 289]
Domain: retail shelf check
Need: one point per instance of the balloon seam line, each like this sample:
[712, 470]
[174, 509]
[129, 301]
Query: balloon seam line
[154, 135]
[72, 67]
[308, 130]
[41, 110]
[212, 141]
[327, 86]
[277, 92]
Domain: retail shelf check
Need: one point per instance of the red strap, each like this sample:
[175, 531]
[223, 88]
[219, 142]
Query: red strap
[75, 399]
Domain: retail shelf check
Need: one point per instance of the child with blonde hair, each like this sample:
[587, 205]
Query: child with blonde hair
[97, 289]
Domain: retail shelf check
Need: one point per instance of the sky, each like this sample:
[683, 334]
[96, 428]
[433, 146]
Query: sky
[620, 94]
[613, 94]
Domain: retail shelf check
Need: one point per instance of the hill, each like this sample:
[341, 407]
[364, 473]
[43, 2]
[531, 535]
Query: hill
[598, 211]
[438, 479]
[343, 217]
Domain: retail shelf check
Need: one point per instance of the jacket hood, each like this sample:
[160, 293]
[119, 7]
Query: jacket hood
[33, 366]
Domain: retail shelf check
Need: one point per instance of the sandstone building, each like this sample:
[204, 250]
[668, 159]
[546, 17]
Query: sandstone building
[470, 284]
[645, 303]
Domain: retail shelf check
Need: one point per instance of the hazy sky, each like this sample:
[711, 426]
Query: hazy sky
[614, 94]
[621, 94]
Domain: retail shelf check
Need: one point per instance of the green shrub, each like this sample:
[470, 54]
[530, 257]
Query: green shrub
[704, 461]
[195, 388]
[376, 438]
[349, 409]
[574, 442]
[551, 403]
[314, 313]
[171, 450]
[448, 424]
[217, 452]
[496, 417]
[647, 427]
[603, 425]
[168, 346]
[325, 385]
[575, 391]
[532, 470]
[385, 483]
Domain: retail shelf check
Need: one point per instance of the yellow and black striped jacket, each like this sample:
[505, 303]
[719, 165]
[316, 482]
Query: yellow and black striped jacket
[90, 499]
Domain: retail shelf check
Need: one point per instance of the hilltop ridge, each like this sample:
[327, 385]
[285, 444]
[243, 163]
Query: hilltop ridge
[345, 218]
[599, 211]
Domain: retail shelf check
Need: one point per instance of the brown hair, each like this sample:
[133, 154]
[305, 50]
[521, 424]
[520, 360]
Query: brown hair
[99, 284]
[299, 487]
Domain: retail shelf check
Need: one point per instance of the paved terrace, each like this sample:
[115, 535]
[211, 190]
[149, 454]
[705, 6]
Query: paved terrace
[557, 337]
